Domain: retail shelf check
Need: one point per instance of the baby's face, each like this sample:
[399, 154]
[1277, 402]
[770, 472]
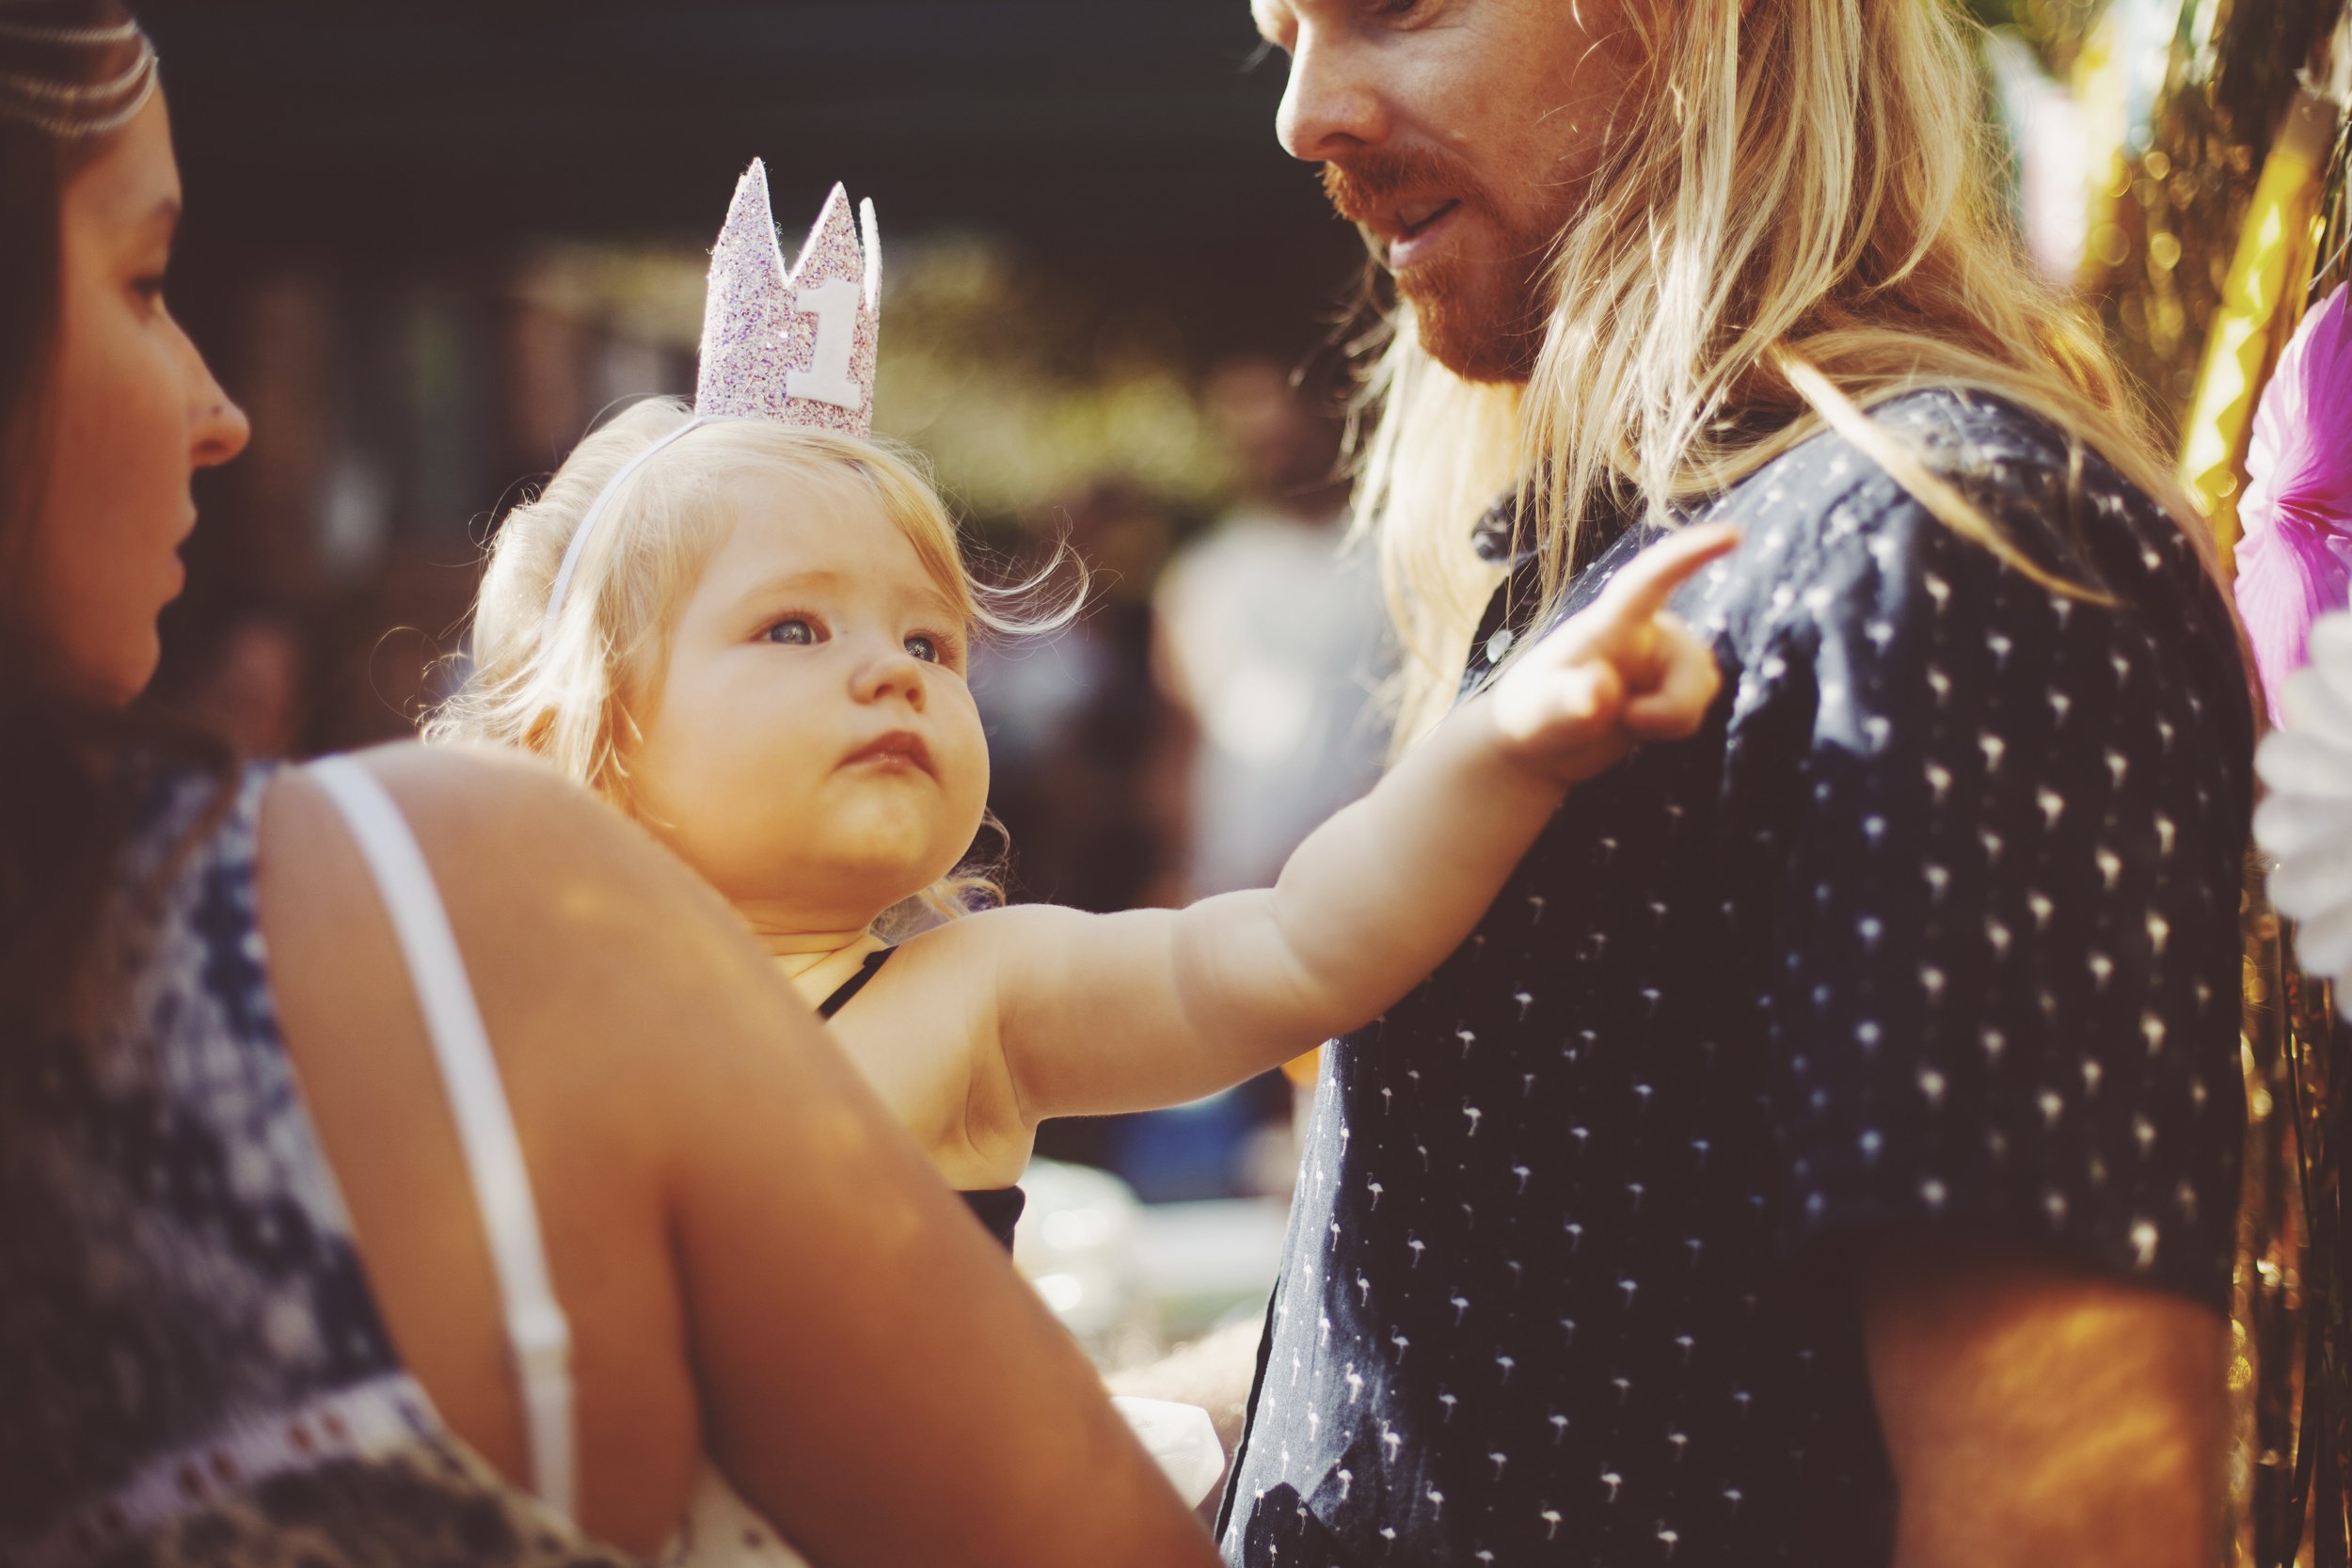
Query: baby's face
[812, 749]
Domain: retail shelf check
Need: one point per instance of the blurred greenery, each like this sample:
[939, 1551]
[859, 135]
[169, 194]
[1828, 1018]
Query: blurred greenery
[1022, 387]
[1023, 391]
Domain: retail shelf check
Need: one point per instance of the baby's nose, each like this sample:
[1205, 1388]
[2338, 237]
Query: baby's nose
[898, 675]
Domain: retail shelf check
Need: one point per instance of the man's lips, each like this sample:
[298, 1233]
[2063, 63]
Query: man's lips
[1405, 202]
[1417, 241]
[899, 749]
[1414, 216]
[1394, 220]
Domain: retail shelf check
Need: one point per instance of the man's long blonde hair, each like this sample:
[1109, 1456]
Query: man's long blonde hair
[1795, 218]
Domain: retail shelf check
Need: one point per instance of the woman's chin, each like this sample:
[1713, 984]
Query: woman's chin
[116, 676]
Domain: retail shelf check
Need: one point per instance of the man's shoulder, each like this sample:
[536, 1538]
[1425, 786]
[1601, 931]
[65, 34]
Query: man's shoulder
[1974, 439]
[1826, 519]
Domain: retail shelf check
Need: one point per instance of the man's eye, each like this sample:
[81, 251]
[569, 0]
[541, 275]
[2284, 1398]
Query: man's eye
[794, 630]
[923, 648]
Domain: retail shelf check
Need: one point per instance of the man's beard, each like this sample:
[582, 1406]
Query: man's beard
[1482, 328]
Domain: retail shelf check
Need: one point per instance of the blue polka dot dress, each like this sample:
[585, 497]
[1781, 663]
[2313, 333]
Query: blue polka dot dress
[1934, 920]
[192, 1370]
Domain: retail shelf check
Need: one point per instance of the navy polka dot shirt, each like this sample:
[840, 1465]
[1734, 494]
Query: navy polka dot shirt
[1936, 920]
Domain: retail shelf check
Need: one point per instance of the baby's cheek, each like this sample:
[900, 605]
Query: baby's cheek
[715, 802]
[965, 777]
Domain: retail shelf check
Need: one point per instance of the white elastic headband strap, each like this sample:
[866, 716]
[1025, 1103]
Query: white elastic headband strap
[588, 525]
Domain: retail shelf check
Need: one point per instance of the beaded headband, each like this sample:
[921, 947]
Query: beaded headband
[791, 345]
[75, 109]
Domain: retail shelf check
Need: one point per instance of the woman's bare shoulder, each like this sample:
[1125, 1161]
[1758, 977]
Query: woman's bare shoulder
[486, 796]
[573, 924]
[503, 830]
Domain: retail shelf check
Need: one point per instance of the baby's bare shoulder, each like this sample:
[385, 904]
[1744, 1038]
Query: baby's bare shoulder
[1009, 936]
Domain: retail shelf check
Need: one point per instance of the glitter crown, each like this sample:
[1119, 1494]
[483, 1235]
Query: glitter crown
[794, 345]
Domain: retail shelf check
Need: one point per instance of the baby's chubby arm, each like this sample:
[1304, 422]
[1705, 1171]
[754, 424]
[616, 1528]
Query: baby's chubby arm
[1101, 1013]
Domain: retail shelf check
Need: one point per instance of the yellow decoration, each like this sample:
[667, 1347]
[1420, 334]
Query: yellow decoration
[2260, 305]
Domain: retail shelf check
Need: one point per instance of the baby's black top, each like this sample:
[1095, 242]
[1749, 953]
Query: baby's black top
[1935, 919]
[855, 983]
[997, 1208]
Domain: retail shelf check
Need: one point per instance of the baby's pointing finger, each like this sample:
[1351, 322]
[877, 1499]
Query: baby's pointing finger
[1642, 585]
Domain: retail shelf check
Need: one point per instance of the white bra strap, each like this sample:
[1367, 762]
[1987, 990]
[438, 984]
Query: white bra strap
[536, 1330]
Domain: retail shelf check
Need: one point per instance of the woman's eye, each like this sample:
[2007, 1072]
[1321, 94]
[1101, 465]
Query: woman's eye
[923, 648]
[794, 630]
[150, 288]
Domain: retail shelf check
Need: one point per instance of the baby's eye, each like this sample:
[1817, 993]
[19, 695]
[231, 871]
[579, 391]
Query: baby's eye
[793, 629]
[923, 648]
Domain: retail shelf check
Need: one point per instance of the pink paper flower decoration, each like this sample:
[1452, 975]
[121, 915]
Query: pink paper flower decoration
[2295, 556]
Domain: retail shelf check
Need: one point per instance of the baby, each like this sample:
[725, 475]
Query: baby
[749, 628]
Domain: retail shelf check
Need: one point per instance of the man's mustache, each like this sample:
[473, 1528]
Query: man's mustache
[1366, 186]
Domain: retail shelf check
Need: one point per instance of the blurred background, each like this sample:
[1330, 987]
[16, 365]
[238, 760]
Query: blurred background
[431, 244]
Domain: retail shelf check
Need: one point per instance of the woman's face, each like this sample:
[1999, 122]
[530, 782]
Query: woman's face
[132, 413]
[812, 749]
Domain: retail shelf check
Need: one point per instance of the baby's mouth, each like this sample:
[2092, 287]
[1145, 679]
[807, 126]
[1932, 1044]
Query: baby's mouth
[899, 749]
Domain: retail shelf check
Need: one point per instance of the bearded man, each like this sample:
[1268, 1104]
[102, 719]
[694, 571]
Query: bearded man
[1825, 1150]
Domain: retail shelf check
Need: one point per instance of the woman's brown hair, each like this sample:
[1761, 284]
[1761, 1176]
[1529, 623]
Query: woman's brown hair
[72, 72]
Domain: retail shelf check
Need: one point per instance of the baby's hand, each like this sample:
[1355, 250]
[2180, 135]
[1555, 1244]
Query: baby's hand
[1620, 671]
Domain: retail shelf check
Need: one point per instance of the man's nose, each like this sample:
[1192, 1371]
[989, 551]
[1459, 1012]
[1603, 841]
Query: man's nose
[1331, 106]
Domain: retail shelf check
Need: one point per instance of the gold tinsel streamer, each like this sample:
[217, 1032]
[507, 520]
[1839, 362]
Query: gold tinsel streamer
[2164, 224]
[2288, 1374]
[2203, 241]
[2261, 302]
[2288, 1471]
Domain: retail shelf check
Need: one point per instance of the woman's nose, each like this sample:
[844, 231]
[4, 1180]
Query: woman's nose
[217, 428]
[222, 431]
[1330, 107]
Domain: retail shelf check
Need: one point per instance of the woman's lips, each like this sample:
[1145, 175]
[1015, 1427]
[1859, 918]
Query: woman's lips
[897, 749]
[1421, 239]
[178, 571]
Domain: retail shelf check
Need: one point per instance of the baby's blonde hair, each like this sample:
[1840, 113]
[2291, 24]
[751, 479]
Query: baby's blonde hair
[562, 686]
